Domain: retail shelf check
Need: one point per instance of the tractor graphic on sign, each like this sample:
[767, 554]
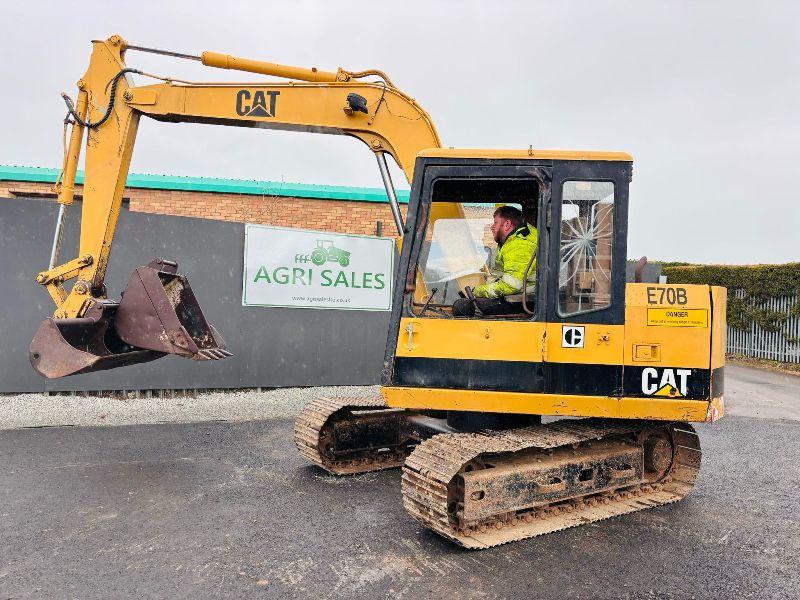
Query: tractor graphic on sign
[327, 252]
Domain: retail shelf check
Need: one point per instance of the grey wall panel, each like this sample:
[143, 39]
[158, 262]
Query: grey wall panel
[24, 252]
[273, 347]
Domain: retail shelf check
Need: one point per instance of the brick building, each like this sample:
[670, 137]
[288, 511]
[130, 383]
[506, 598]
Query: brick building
[326, 208]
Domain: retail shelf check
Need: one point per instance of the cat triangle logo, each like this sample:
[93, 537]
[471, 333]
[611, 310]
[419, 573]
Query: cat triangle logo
[258, 111]
[669, 391]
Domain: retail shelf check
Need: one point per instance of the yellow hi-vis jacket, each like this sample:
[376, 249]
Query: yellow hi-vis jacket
[510, 264]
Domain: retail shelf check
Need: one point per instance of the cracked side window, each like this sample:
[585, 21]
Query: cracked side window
[587, 234]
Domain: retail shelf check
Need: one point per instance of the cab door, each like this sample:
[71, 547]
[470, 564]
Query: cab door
[429, 347]
[585, 304]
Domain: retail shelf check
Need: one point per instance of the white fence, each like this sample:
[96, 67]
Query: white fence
[771, 345]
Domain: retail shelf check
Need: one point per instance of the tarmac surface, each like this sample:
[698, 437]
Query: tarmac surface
[229, 509]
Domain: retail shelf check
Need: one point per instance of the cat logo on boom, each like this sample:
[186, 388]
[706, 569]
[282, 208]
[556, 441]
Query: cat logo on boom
[671, 383]
[258, 108]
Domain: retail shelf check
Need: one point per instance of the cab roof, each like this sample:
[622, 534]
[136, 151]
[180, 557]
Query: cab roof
[531, 153]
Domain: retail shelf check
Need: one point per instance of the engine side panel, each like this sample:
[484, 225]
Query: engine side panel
[656, 366]
[668, 340]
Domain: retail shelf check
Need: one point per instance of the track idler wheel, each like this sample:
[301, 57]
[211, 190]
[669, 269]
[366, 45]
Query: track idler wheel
[659, 453]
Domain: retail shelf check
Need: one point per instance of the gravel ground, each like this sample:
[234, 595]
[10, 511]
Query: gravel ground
[38, 410]
[749, 393]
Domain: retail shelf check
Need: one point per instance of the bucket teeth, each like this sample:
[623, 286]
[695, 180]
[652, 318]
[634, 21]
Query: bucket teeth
[214, 354]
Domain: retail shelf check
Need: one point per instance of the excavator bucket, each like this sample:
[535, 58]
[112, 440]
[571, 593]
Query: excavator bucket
[64, 347]
[159, 312]
[158, 315]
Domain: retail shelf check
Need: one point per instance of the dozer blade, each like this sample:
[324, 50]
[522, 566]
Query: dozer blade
[159, 312]
[63, 347]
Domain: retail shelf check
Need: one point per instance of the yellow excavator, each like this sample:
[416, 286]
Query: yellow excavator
[623, 367]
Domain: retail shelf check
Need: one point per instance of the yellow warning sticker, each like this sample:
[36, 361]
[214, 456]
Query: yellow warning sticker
[677, 317]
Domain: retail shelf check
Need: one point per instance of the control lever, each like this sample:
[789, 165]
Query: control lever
[428, 301]
[471, 296]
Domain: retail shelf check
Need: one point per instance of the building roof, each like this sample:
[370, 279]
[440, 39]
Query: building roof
[212, 184]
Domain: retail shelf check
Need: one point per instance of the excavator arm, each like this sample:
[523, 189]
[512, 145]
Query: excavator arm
[158, 313]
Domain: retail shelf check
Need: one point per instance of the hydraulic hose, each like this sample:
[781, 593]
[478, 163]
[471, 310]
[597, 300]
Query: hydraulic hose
[111, 99]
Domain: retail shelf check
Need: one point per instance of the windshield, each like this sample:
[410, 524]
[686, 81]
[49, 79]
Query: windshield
[459, 250]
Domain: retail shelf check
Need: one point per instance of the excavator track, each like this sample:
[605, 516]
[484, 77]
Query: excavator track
[489, 488]
[351, 435]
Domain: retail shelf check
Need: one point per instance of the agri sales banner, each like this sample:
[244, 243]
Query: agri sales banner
[299, 268]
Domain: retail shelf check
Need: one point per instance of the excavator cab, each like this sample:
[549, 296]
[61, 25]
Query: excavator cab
[573, 286]
[157, 315]
[578, 209]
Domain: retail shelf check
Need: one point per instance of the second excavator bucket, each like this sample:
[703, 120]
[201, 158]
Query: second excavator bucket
[159, 312]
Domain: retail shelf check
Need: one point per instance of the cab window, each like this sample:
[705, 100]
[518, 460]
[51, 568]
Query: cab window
[459, 252]
[586, 245]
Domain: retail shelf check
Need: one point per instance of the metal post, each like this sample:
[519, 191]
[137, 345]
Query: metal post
[387, 183]
[62, 211]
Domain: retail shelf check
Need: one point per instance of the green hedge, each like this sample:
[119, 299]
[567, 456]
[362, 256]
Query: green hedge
[758, 282]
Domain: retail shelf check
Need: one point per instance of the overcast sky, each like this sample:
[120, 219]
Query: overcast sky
[705, 96]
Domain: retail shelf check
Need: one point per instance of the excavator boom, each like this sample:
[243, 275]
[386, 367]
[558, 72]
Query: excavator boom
[159, 313]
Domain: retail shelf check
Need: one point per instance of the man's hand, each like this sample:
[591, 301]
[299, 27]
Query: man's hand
[481, 291]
